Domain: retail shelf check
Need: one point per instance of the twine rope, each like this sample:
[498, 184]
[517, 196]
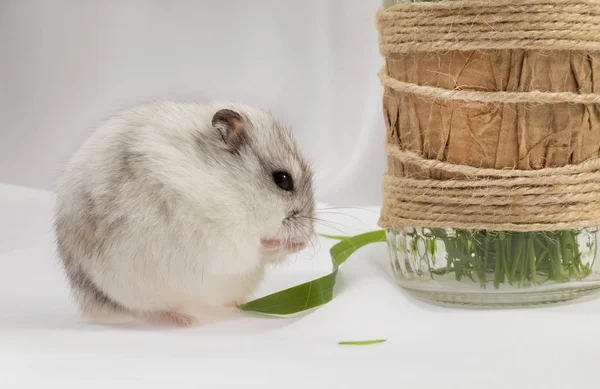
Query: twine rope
[503, 199]
[547, 199]
[532, 97]
[482, 24]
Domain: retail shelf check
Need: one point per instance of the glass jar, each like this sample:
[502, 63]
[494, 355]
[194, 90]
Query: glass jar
[491, 268]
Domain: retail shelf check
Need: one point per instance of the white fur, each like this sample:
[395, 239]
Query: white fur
[161, 222]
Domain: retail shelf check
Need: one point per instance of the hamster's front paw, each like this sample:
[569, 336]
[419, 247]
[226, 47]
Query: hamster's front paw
[276, 248]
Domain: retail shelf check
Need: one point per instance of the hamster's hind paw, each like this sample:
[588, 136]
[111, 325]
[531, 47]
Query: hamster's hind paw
[177, 319]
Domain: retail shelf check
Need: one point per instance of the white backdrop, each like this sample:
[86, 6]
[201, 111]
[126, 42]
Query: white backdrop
[66, 65]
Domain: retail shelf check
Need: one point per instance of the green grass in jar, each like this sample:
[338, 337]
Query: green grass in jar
[514, 258]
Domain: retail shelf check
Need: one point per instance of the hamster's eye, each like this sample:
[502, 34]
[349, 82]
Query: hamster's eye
[284, 181]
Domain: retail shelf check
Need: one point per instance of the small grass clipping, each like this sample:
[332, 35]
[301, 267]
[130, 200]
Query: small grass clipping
[361, 342]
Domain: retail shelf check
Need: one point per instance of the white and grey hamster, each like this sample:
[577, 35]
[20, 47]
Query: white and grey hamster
[170, 207]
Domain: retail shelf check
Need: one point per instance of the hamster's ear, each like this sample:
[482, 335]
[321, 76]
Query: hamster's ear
[231, 126]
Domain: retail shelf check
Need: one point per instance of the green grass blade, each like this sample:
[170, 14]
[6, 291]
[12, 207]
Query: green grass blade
[362, 342]
[316, 292]
[334, 237]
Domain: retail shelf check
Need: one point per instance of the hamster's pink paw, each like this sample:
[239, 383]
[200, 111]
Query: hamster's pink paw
[172, 319]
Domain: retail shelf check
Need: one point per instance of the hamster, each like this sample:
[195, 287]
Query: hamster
[168, 208]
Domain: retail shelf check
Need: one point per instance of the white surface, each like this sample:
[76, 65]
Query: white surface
[66, 65]
[42, 340]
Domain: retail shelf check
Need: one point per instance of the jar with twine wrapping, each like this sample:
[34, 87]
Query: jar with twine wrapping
[492, 112]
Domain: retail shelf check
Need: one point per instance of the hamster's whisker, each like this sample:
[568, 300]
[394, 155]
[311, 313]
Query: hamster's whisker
[340, 208]
[329, 225]
[316, 218]
[326, 223]
[343, 214]
[313, 241]
[297, 230]
[337, 230]
[310, 241]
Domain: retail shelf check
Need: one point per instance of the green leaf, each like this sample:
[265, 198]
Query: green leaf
[334, 237]
[316, 292]
[362, 342]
